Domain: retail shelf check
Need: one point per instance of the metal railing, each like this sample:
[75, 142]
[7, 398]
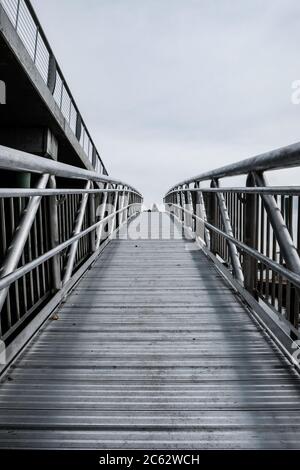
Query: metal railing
[23, 18]
[254, 230]
[50, 228]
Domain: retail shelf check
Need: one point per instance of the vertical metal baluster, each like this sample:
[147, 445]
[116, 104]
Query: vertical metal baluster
[31, 274]
[274, 276]
[46, 230]
[201, 230]
[16, 284]
[68, 216]
[114, 208]
[261, 219]
[55, 225]
[92, 220]
[268, 234]
[80, 250]
[75, 212]
[280, 280]
[290, 225]
[12, 229]
[182, 204]
[59, 216]
[190, 209]
[298, 226]
[63, 219]
[42, 246]
[101, 215]
[4, 240]
[178, 211]
[35, 251]
[23, 261]
[63, 202]
[231, 213]
[250, 264]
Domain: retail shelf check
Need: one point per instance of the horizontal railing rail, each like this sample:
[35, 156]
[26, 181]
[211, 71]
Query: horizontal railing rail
[253, 230]
[50, 228]
[24, 19]
[281, 158]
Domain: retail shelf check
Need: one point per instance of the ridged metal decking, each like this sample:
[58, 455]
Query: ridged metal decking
[152, 349]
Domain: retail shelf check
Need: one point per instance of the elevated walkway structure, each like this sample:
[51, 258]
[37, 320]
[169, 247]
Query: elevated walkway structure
[152, 349]
[131, 329]
[40, 115]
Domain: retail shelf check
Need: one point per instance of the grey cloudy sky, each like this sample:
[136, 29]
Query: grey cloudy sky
[171, 88]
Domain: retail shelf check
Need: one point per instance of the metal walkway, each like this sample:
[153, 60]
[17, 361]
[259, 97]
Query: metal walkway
[152, 349]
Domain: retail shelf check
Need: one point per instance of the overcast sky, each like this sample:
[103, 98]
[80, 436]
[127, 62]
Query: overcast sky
[171, 88]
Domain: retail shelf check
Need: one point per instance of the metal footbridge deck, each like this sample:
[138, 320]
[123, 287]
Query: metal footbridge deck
[121, 328]
[153, 348]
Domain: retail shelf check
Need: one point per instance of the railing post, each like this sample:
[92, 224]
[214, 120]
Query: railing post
[101, 216]
[183, 203]
[233, 252]
[54, 235]
[201, 231]
[92, 218]
[121, 217]
[178, 197]
[250, 231]
[77, 229]
[212, 216]
[114, 208]
[128, 202]
[190, 209]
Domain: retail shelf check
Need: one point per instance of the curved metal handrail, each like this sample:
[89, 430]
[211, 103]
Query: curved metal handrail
[49, 232]
[283, 157]
[254, 230]
[12, 159]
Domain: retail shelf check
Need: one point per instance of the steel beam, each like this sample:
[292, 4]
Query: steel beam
[250, 231]
[54, 236]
